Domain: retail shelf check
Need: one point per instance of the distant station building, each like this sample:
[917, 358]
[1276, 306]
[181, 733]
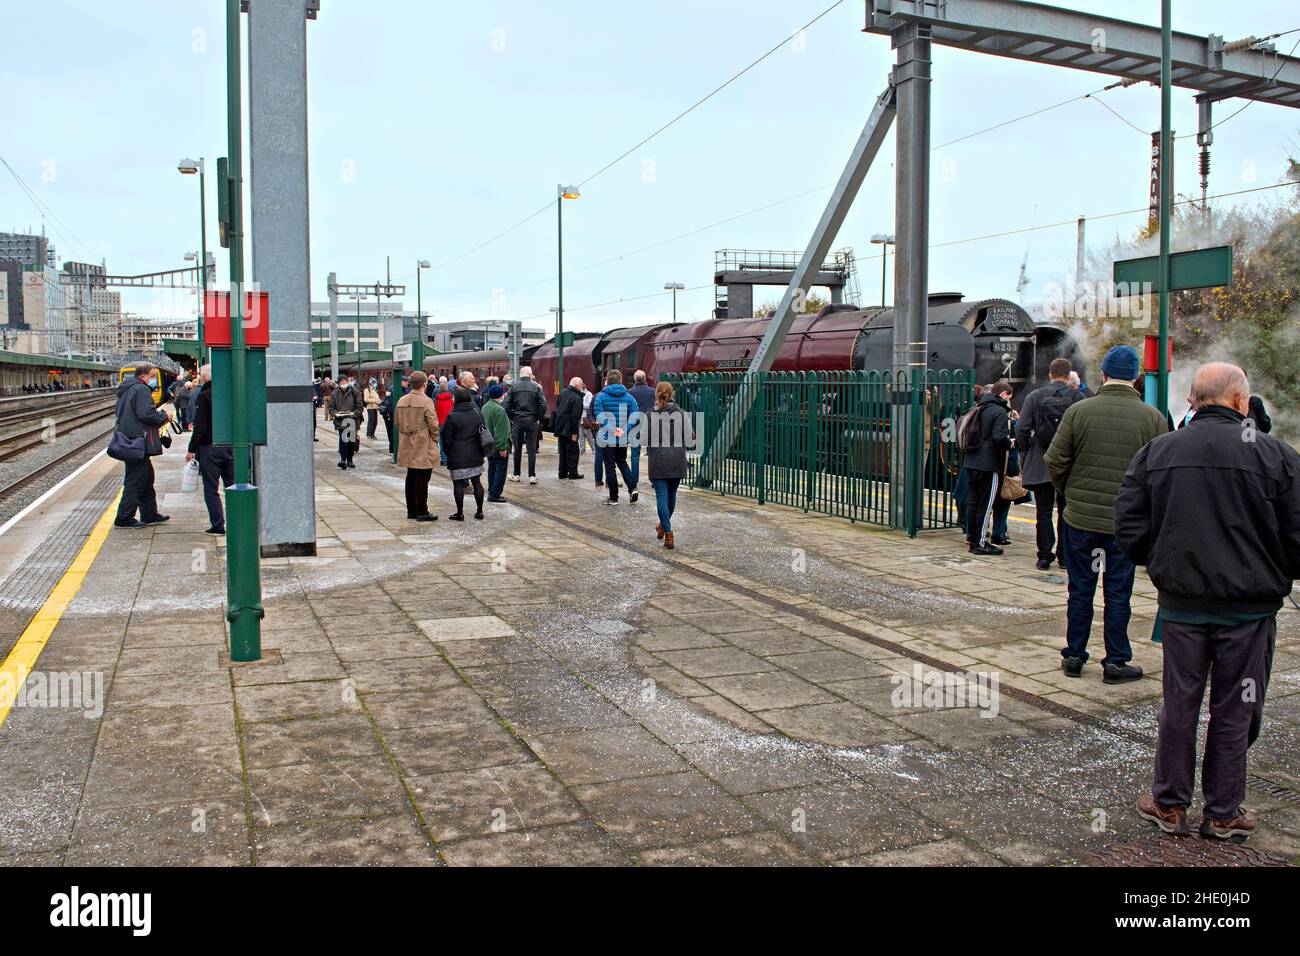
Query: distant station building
[475, 334]
[392, 324]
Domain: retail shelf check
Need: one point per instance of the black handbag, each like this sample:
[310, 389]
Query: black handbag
[126, 449]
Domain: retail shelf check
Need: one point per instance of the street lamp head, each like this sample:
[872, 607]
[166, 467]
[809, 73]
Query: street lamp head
[191, 256]
[569, 192]
[882, 238]
[423, 263]
[675, 285]
[552, 309]
[189, 166]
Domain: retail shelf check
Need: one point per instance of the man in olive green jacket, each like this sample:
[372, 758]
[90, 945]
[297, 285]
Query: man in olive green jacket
[1092, 449]
[498, 423]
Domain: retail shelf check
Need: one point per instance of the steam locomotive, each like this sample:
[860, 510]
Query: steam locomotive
[994, 337]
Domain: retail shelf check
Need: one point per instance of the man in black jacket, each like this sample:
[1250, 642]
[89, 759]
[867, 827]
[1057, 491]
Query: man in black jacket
[138, 418]
[216, 462]
[526, 406]
[985, 465]
[566, 423]
[1039, 417]
[1213, 511]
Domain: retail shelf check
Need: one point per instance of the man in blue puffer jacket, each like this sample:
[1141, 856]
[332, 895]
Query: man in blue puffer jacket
[616, 411]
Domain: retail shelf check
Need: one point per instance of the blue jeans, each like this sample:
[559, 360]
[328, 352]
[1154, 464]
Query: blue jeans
[442, 452]
[1084, 551]
[636, 464]
[496, 474]
[666, 500]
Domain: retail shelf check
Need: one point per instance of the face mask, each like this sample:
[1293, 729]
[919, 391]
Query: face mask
[153, 383]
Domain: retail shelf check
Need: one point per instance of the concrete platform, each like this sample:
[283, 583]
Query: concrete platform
[550, 686]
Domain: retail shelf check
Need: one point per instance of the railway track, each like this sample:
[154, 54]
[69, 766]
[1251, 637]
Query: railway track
[8, 490]
[62, 403]
[14, 445]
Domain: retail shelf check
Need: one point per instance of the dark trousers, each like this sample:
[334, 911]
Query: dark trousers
[497, 474]
[137, 492]
[372, 421]
[216, 468]
[417, 491]
[569, 452]
[347, 448]
[1050, 535]
[616, 464]
[1237, 659]
[526, 433]
[983, 499]
[1088, 554]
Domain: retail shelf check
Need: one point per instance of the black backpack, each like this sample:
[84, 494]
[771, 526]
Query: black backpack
[1051, 409]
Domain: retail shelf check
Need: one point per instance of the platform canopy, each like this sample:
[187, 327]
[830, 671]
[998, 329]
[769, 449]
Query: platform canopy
[1050, 35]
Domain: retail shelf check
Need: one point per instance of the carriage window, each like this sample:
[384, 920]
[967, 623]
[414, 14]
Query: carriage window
[631, 358]
[611, 361]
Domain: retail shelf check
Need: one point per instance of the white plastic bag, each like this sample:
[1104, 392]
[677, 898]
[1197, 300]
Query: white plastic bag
[190, 476]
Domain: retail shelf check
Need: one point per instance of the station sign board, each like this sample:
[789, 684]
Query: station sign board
[1194, 269]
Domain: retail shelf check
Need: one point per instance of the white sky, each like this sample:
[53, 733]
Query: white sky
[435, 126]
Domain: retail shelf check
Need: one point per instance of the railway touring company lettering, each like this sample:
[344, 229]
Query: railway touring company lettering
[76, 909]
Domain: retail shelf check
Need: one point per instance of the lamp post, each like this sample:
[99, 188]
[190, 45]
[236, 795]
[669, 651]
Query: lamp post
[417, 353]
[676, 287]
[198, 313]
[190, 167]
[563, 193]
[884, 240]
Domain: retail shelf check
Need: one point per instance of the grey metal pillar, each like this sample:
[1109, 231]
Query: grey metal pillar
[277, 95]
[911, 263]
[334, 326]
[846, 190]
[515, 338]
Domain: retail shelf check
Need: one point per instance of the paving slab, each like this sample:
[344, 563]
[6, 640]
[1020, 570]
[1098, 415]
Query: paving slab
[485, 694]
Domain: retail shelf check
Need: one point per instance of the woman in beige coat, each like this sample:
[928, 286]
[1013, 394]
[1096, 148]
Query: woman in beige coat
[417, 445]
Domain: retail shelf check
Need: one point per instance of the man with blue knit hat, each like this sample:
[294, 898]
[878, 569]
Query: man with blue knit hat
[1093, 447]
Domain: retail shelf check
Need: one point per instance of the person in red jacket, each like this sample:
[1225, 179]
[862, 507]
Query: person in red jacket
[442, 403]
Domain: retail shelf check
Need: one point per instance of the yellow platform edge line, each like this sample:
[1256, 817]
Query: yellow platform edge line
[27, 649]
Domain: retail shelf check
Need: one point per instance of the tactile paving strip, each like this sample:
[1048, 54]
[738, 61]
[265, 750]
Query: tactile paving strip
[24, 592]
[1161, 850]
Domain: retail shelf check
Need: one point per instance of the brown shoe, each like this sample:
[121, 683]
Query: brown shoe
[659, 530]
[1169, 819]
[668, 540]
[1238, 829]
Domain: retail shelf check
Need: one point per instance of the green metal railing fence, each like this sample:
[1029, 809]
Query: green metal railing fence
[821, 441]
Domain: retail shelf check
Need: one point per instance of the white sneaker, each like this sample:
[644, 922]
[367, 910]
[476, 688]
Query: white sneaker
[514, 477]
[609, 501]
[532, 479]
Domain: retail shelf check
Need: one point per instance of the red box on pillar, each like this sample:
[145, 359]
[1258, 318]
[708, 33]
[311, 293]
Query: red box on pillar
[216, 320]
[1151, 354]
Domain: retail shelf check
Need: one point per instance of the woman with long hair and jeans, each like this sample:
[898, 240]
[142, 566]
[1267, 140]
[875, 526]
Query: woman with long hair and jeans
[667, 434]
[464, 451]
